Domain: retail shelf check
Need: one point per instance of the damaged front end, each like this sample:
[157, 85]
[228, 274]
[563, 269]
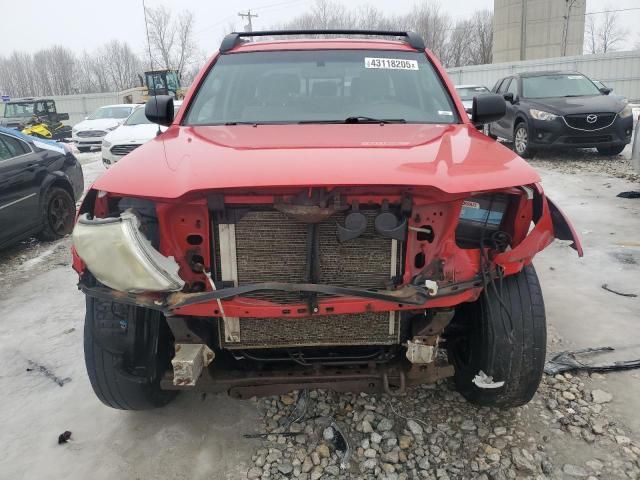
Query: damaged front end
[343, 287]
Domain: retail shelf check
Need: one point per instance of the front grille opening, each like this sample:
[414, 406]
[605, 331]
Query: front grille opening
[369, 328]
[271, 247]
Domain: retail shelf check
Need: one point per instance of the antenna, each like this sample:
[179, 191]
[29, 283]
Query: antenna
[155, 94]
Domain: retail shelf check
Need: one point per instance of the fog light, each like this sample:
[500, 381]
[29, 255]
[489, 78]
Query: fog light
[121, 257]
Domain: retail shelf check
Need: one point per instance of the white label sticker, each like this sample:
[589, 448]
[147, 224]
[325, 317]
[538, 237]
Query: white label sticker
[390, 63]
[448, 113]
[574, 77]
[470, 204]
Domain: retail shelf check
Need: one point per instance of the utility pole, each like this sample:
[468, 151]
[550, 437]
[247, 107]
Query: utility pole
[523, 31]
[249, 15]
[565, 30]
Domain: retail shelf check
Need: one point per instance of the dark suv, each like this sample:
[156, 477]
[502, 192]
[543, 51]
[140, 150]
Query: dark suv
[561, 109]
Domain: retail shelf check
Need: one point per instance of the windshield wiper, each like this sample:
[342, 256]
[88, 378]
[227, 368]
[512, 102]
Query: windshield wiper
[358, 119]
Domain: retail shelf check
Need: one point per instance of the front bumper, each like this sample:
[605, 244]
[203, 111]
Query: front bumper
[109, 158]
[558, 134]
[87, 141]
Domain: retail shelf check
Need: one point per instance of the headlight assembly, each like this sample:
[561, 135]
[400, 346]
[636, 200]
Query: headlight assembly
[627, 111]
[106, 144]
[542, 115]
[117, 253]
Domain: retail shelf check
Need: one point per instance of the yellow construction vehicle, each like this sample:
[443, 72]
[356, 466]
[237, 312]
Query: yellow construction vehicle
[163, 82]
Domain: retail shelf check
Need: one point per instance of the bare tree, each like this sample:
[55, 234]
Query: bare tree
[604, 36]
[481, 49]
[120, 64]
[171, 40]
[185, 46]
[432, 24]
[457, 49]
[19, 79]
[590, 36]
[611, 34]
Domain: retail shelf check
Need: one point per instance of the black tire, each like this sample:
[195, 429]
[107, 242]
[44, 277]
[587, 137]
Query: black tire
[127, 350]
[521, 138]
[611, 151]
[84, 149]
[58, 214]
[486, 345]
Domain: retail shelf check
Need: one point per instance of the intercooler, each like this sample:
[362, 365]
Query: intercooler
[264, 245]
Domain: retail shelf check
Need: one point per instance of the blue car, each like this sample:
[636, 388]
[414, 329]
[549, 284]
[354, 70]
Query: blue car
[40, 182]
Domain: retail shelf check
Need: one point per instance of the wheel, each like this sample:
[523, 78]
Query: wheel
[59, 211]
[487, 132]
[611, 151]
[84, 149]
[517, 359]
[521, 141]
[126, 350]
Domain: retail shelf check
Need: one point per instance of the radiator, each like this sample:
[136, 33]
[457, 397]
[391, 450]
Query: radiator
[265, 245]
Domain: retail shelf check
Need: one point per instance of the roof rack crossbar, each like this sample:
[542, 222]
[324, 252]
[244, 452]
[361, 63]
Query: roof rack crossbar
[233, 39]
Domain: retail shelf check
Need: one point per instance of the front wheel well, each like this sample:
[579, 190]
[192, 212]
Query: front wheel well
[60, 182]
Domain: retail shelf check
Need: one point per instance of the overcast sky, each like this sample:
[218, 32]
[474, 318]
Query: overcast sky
[82, 24]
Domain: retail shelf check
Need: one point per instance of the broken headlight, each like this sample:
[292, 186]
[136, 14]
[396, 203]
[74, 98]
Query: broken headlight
[117, 253]
[480, 217]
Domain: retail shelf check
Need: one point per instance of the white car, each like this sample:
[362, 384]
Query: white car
[135, 131]
[467, 92]
[90, 132]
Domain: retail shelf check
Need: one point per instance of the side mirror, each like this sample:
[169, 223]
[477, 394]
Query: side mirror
[488, 108]
[509, 97]
[606, 90]
[159, 109]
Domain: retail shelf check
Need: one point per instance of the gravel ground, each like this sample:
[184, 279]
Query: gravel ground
[433, 433]
[588, 161]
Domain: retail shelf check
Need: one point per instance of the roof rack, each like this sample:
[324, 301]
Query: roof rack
[235, 38]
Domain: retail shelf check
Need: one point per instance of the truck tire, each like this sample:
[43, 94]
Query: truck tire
[127, 349]
[611, 151]
[516, 359]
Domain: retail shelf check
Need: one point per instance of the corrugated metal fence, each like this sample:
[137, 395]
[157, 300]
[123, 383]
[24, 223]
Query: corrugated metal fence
[81, 105]
[617, 70]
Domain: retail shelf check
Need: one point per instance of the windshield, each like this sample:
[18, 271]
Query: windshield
[321, 86]
[12, 110]
[467, 93]
[137, 118]
[111, 112]
[559, 85]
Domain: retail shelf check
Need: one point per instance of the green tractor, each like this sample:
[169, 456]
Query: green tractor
[163, 82]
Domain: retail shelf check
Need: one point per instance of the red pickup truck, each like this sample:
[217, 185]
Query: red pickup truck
[319, 213]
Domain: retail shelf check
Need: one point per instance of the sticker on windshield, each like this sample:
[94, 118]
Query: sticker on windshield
[574, 77]
[448, 113]
[390, 63]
